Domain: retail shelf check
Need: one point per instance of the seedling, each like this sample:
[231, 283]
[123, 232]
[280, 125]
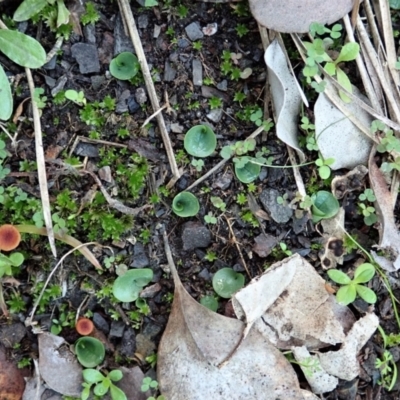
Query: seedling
[324, 205]
[215, 102]
[150, 384]
[369, 214]
[226, 282]
[352, 287]
[76, 97]
[200, 141]
[89, 351]
[185, 204]
[125, 66]
[198, 164]
[388, 370]
[102, 383]
[210, 219]
[126, 288]
[324, 170]
[209, 302]
[217, 202]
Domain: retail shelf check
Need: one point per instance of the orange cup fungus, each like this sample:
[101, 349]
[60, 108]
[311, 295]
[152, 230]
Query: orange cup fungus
[9, 237]
[84, 326]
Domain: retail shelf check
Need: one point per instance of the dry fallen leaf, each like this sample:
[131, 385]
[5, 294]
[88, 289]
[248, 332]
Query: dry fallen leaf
[12, 382]
[285, 96]
[297, 15]
[199, 356]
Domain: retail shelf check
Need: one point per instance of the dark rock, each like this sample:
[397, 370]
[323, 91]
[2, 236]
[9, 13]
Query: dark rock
[86, 150]
[90, 33]
[122, 41]
[151, 329]
[182, 183]
[140, 258]
[133, 106]
[215, 115]
[101, 323]
[122, 105]
[197, 72]
[143, 21]
[205, 274]
[12, 334]
[280, 213]
[51, 64]
[169, 72]
[264, 244]
[97, 81]
[300, 224]
[263, 173]
[208, 92]
[117, 329]
[87, 57]
[140, 95]
[128, 343]
[194, 32]
[183, 43]
[223, 85]
[195, 235]
[150, 291]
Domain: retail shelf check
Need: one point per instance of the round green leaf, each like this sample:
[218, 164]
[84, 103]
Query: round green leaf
[91, 375]
[89, 351]
[324, 172]
[339, 277]
[6, 99]
[226, 282]
[102, 388]
[366, 294]
[115, 375]
[126, 287]
[117, 393]
[22, 49]
[346, 295]
[185, 204]
[28, 8]
[364, 273]
[200, 141]
[325, 205]
[248, 173]
[209, 302]
[16, 259]
[125, 66]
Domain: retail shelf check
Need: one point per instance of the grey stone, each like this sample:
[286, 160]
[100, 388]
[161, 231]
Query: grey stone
[133, 106]
[51, 64]
[97, 81]
[117, 329]
[122, 42]
[223, 182]
[150, 291]
[204, 274]
[87, 57]
[151, 329]
[101, 323]
[223, 85]
[215, 115]
[264, 244]
[143, 21]
[86, 150]
[208, 92]
[140, 95]
[122, 105]
[280, 213]
[105, 174]
[195, 235]
[12, 334]
[89, 32]
[169, 72]
[140, 258]
[197, 72]
[128, 343]
[183, 43]
[176, 128]
[194, 32]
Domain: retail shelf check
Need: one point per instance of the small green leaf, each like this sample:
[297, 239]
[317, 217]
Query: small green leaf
[329, 161]
[126, 288]
[22, 49]
[339, 276]
[346, 295]
[366, 294]
[330, 68]
[116, 375]
[344, 80]
[62, 13]
[16, 259]
[364, 273]
[28, 8]
[248, 173]
[349, 52]
[92, 375]
[209, 302]
[117, 393]
[226, 282]
[85, 393]
[185, 204]
[227, 152]
[125, 66]
[324, 172]
[102, 388]
[200, 141]
[6, 99]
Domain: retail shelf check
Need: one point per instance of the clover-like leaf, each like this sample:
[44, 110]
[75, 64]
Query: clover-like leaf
[126, 288]
[226, 282]
[209, 302]
[89, 351]
[200, 141]
[91, 375]
[247, 173]
[22, 49]
[366, 294]
[185, 204]
[325, 205]
[125, 66]
[346, 294]
[364, 273]
[115, 375]
[339, 276]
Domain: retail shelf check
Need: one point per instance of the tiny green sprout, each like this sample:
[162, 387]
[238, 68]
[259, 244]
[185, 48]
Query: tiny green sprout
[198, 46]
[125, 66]
[210, 256]
[226, 282]
[148, 383]
[215, 102]
[388, 370]
[89, 351]
[102, 383]
[126, 288]
[324, 205]
[368, 213]
[368, 195]
[209, 302]
[324, 170]
[200, 141]
[185, 204]
[352, 287]
[217, 202]
[76, 97]
[198, 164]
[210, 219]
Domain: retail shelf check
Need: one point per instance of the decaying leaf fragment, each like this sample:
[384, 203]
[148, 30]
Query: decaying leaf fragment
[389, 237]
[290, 306]
[353, 180]
[285, 96]
[12, 382]
[199, 357]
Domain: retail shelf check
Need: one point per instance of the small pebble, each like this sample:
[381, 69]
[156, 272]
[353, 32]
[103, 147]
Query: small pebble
[194, 32]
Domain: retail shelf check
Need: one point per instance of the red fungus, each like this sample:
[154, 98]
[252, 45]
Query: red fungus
[84, 326]
[9, 237]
